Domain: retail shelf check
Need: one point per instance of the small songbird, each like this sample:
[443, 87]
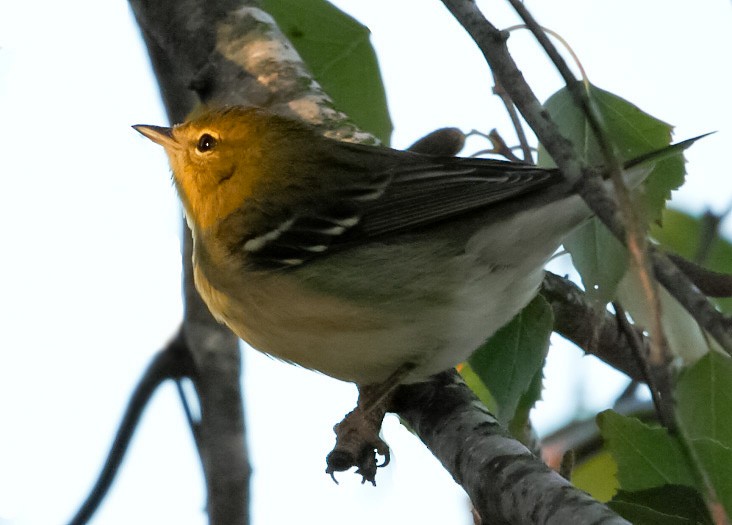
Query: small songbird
[368, 264]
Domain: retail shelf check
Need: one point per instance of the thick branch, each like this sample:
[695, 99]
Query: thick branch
[180, 37]
[597, 333]
[221, 432]
[506, 483]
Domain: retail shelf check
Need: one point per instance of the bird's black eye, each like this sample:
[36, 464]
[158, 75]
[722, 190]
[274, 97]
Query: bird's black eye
[206, 143]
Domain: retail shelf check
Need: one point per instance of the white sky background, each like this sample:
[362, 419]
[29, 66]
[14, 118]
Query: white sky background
[90, 262]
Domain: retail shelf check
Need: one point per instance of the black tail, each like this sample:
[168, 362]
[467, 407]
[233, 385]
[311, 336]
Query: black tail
[668, 151]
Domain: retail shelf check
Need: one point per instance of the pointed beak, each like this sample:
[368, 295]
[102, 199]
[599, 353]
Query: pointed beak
[158, 134]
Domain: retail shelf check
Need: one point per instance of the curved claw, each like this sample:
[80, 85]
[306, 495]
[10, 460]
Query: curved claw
[360, 453]
[387, 458]
[357, 436]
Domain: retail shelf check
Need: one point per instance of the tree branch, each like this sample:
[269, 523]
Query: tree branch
[492, 43]
[179, 45]
[636, 238]
[171, 362]
[506, 483]
[577, 319]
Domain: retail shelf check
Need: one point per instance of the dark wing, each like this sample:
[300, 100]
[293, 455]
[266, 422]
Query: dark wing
[430, 194]
[380, 191]
[372, 191]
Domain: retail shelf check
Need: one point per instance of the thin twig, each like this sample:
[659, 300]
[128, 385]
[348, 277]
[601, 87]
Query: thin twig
[701, 476]
[696, 303]
[713, 284]
[636, 235]
[661, 401]
[577, 62]
[194, 424]
[578, 93]
[515, 120]
[499, 146]
[171, 362]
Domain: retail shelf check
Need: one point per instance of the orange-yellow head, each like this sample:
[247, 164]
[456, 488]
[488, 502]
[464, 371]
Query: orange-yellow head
[216, 158]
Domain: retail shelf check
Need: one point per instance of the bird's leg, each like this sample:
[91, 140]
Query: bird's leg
[357, 438]
[357, 435]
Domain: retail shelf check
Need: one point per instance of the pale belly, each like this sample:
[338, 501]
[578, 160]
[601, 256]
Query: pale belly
[432, 320]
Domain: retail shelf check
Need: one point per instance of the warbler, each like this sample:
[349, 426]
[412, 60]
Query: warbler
[358, 260]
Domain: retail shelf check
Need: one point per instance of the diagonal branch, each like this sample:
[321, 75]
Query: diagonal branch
[636, 235]
[576, 318]
[173, 362]
[505, 481]
[492, 43]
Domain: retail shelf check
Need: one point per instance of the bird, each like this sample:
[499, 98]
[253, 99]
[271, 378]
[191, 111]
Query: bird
[366, 263]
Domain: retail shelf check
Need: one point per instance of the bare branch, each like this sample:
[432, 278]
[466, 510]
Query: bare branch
[492, 43]
[516, 121]
[636, 235]
[660, 394]
[711, 283]
[182, 42]
[505, 481]
[174, 361]
[577, 319]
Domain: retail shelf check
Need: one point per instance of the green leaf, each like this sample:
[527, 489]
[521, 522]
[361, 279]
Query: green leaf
[704, 399]
[632, 132]
[597, 476]
[476, 385]
[647, 456]
[667, 505]
[716, 461]
[704, 404]
[681, 233]
[685, 338]
[667, 176]
[508, 362]
[519, 426]
[600, 259]
[338, 51]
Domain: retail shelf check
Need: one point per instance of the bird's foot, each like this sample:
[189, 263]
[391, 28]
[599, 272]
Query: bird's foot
[358, 443]
[357, 436]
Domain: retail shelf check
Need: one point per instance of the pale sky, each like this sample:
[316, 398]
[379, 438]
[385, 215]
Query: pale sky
[91, 264]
